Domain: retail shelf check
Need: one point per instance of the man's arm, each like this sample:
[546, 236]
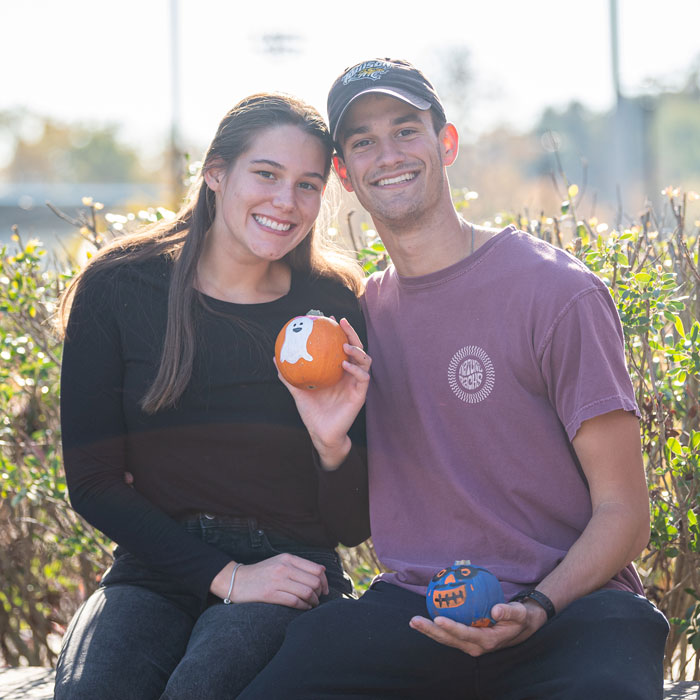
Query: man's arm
[609, 450]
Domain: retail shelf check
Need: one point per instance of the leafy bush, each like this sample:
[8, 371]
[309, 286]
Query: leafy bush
[50, 560]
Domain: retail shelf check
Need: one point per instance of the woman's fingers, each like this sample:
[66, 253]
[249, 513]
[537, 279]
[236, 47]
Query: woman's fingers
[354, 348]
[306, 594]
[308, 573]
[353, 338]
[313, 582]
[284, 579]
[358, 356]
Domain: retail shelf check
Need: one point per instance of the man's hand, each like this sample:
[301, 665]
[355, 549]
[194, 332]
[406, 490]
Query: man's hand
[515, 622]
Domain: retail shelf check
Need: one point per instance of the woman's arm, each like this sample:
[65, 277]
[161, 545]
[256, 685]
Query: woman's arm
[329, 415]
[94, 448]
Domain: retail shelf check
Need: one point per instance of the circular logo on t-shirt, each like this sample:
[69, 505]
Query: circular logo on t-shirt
[471, 374]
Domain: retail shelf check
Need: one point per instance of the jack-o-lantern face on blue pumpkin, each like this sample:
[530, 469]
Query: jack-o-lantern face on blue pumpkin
[464, 593]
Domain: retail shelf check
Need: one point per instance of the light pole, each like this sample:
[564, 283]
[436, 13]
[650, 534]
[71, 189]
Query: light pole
[174, 147]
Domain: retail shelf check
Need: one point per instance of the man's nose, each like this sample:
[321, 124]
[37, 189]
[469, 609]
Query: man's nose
[389, 153]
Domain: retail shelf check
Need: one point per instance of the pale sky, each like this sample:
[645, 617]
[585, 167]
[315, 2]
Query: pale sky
[110, 62]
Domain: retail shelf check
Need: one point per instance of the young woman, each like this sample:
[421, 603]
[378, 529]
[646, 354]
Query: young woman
[225, 491]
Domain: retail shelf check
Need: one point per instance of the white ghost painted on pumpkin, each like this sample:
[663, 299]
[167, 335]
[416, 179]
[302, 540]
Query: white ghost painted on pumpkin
[295, 337]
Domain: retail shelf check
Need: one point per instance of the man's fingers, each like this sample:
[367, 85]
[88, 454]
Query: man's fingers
[477, 640]
[444, 636]
[509, 612]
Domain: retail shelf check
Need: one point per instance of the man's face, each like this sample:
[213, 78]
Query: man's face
[393, 159]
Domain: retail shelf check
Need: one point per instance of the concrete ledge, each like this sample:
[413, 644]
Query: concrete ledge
[37, 684]
[32, 683]
[684, 690]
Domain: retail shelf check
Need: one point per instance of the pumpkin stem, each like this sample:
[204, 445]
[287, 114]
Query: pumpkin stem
[314, 312]
[462, 562]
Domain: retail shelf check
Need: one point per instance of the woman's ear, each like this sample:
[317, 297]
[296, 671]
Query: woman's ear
[342, 171]
[214, 175]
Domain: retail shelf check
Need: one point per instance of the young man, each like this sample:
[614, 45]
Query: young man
[501, 429]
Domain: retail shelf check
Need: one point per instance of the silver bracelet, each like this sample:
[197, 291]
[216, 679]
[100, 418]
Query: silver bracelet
[227, 599]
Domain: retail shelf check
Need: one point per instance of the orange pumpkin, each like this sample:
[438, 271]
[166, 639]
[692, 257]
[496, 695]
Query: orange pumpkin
[309, 351]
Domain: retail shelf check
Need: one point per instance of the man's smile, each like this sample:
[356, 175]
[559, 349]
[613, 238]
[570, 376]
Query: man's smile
[395, 180]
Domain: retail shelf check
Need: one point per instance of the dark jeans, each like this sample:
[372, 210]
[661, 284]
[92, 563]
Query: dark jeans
[141, 636]
[608, 645]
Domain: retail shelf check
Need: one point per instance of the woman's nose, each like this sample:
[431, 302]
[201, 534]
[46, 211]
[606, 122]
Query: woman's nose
[284, 198]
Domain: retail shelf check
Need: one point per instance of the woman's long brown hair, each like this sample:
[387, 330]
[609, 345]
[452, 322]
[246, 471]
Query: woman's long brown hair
[183, 239]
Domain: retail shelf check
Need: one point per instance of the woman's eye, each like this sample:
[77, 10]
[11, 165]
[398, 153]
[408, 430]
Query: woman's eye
[266, 174]
[308, 186]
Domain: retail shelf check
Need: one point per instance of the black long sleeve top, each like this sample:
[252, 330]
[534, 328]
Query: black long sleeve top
[234, 444]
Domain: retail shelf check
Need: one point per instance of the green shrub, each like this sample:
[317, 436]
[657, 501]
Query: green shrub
[50, 559]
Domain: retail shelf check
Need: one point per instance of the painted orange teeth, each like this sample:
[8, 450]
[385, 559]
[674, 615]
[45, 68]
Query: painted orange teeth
[449, 599]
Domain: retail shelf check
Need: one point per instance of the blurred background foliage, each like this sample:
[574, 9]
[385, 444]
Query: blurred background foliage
[50, 559]
[620, 219]
[620, 157]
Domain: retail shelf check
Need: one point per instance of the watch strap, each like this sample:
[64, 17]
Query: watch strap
[540, 598]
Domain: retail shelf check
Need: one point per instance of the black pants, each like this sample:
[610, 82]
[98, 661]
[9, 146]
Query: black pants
[143, 636]
[609, 644]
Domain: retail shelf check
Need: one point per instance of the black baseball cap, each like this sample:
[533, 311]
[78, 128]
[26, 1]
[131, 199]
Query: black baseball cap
[394, 77]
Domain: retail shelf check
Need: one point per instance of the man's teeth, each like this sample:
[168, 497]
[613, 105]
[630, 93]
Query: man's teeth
[277, 226]
[394, 180]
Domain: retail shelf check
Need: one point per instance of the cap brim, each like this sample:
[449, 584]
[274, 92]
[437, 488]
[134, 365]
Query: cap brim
[404, 96]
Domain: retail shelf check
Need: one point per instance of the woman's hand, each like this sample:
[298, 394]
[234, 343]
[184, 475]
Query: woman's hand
[329, 413]
[284, 579]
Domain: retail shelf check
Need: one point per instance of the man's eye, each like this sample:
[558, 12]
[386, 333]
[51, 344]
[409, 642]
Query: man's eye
[407, 132]
[361, 143]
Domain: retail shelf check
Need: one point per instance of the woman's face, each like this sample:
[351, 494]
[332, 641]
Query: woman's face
[268, 200]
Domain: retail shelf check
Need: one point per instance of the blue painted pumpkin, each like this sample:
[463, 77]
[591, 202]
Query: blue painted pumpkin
[464, 593]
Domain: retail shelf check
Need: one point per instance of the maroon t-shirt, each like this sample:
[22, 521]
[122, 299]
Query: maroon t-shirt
[482, 373]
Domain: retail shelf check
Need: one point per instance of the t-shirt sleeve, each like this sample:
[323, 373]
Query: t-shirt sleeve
[583, 361]
[94, 450]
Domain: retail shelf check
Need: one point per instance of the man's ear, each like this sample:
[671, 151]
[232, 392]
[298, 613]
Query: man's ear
[342, 171]
[449, 142]
[214, 175]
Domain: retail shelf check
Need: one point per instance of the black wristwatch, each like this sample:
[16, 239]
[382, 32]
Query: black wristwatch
[540, 598]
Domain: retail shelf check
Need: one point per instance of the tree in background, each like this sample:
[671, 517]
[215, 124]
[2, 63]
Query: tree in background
[48, 151]
[619, 160]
